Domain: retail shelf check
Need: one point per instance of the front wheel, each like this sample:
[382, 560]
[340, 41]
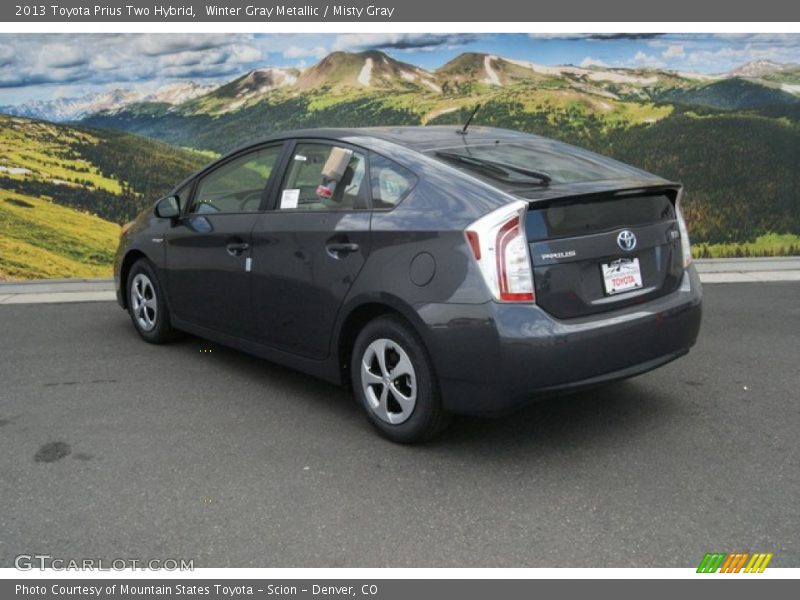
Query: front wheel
[146, 304]
[394, 381]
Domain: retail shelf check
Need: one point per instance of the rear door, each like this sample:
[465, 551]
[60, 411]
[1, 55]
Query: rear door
[310, 246]
[210, 248]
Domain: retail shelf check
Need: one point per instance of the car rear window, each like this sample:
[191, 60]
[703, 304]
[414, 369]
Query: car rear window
[561, 163]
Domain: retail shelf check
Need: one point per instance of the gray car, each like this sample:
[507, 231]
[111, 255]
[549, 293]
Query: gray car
[436, 271]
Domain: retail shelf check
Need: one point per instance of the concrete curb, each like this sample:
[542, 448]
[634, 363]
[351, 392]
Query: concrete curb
[712, 271]
[57, 290]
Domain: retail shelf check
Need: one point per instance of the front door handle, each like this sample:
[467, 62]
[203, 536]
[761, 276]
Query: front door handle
[236, 248]
[337, 248]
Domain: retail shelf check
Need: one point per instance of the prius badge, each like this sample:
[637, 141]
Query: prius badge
[626, 240]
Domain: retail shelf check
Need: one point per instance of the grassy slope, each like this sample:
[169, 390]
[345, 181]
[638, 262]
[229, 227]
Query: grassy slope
[40, 239]
[769, 244]
[46, 150]
[64, 191]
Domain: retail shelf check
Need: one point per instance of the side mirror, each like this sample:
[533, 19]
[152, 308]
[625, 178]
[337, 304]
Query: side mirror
[168, 208]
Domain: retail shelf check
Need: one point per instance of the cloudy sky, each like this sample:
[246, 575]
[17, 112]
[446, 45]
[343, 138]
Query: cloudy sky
[47, 66]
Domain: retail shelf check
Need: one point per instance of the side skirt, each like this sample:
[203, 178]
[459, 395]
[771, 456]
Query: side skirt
[323, 369]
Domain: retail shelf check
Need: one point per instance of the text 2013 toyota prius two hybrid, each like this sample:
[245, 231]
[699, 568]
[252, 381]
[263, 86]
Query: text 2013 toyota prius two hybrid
[436, 271]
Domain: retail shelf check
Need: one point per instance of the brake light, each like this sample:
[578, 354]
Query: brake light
[686, 247]
[499, 246]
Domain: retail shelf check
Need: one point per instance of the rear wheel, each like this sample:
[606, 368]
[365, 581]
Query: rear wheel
[394, 381]
[146, 304]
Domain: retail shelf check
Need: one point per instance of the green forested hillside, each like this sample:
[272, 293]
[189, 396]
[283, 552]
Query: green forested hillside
[65, 190]
[731, 94]
[740, 171]
[108, 173]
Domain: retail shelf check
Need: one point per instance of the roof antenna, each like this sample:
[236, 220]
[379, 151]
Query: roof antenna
[463, 131]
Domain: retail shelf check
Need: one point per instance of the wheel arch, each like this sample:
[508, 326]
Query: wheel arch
[130, 258]
[361, 312]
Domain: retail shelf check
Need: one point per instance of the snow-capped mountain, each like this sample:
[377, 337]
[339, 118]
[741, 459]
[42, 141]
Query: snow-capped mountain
[375, 72]
[73, 109]
[250, 86]
[368, 70]
[757, 68]
[177, 93]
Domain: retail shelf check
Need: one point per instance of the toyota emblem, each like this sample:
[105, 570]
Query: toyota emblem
[626, 240]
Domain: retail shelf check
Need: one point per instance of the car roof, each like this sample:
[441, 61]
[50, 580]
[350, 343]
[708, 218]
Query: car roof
[420, 138]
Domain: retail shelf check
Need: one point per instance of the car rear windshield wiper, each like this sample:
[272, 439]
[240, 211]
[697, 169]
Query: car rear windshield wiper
[496, 169]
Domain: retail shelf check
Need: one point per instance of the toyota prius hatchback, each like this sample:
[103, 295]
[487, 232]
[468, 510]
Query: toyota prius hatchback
[434, 271]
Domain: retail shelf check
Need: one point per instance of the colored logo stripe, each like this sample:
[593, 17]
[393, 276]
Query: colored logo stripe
[711, 562]
[758, 563]
[734, 562]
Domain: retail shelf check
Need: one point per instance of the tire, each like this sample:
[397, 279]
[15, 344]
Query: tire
[147, 305]
[400, 394]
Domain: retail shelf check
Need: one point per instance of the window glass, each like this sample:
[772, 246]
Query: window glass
[324, 177]
[390, 181]
[236, 186]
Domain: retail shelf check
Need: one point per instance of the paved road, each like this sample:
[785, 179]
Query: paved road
[216, 456]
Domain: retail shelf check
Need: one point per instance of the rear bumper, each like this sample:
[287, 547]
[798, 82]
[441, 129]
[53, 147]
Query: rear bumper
[494, 358]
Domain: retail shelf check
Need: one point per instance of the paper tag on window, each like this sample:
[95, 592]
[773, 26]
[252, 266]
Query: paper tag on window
[289, 198]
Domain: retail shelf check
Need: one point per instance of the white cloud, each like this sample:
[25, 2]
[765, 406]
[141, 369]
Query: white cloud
[61, 56]
[242, 53]
[156, 44]
[401, 41]
[773, 39]
[6, 55]
[674, 51]
[123, 59]
[317, 52]
[101, 62]
[728, 57]
[559, 36]
[647, 60]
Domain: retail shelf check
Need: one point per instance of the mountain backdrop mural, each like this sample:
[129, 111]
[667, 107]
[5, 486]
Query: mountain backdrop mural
[72, 169]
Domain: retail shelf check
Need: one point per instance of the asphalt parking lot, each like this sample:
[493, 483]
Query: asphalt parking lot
[113, 448]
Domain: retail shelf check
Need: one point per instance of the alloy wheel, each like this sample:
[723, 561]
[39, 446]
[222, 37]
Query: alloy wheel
[143, 302]
[389, 381]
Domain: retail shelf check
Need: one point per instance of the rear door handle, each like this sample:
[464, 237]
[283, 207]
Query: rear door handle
[236, 248]
[336, 248]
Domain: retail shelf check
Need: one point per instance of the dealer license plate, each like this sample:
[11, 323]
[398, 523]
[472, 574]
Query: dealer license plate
[621, 275]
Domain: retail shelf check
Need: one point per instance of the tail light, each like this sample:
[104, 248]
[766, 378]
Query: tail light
[500, 247]
[686, 247]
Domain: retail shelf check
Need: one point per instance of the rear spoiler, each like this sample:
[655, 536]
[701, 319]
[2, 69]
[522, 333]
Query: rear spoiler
[598, 190]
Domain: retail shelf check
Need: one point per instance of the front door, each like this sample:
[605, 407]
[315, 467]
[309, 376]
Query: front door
[210, 248]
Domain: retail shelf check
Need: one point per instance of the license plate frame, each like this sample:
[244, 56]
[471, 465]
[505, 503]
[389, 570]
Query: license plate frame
[621, 275]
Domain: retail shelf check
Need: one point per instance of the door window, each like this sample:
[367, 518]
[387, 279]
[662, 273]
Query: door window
[324, 177]
[238, 185]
